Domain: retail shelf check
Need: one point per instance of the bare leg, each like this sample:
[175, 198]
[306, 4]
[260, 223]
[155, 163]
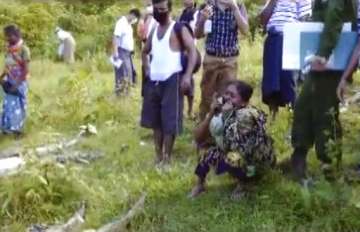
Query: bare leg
[158, 141]
[274, 109]
[190, 105]
[298, 163]
[169, 141]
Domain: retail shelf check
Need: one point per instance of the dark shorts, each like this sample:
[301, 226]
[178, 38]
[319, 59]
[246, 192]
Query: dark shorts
[278, 85]
[163, 105]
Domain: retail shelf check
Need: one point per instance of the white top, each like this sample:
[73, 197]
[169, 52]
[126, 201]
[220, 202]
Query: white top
[289, 11]
[63, 35]
[165, 62]
[124, 34]
[193, 22]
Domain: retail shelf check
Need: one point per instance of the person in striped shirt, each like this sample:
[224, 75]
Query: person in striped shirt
[278, 85]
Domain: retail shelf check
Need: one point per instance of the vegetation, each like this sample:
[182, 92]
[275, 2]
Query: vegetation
[64, 97]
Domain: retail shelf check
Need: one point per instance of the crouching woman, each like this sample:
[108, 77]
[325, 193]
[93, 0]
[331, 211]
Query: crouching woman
[242, 147]
[13, 81]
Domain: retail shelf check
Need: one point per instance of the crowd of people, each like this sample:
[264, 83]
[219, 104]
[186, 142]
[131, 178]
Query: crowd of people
[231, 134]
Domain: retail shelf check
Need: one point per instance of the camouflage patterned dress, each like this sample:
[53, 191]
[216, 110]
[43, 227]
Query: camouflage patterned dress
[242, 149]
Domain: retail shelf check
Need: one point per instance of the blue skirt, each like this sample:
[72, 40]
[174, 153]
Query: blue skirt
[14, 110]
[278, 85]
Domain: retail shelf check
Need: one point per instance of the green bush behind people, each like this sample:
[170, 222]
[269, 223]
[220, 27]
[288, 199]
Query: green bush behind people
[90, 21]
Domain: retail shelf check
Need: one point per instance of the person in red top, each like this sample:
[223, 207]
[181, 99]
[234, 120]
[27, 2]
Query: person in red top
[13, 80]
[147, 22]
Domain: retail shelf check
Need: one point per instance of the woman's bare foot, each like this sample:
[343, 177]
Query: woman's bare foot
[197, 190]
[238, 193]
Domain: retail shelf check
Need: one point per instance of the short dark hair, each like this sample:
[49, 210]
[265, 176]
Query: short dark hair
[168, 1]
[12, 30]
[135, 12]
[244, 89]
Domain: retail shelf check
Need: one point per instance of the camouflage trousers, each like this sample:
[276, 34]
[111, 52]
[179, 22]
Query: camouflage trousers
[316, 117]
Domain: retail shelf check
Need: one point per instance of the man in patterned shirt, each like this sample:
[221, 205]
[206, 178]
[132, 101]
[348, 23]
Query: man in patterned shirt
[220, 21]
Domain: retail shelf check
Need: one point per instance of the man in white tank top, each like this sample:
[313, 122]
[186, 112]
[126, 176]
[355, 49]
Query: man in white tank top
[166, 81]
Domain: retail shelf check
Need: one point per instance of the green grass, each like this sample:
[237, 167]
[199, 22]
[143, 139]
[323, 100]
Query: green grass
[62, 98]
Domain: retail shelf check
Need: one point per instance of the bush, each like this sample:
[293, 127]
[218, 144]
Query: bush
[91, 22]
[42, 192]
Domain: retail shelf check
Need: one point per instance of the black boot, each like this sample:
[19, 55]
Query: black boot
[298, 164]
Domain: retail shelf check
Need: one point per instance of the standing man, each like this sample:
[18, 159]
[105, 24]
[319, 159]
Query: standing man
[147, 22]
[165, 83]
[316, 115]
[66, 50]
[123, 46]
[220, 21]
[189, 16]
[278, 85]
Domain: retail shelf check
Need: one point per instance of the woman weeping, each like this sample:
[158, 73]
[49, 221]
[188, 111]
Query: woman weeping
[241, 147]
[14, 82]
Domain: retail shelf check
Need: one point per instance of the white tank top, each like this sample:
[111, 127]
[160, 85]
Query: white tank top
[164, 62]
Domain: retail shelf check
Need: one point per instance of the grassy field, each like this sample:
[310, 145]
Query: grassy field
[62, 98]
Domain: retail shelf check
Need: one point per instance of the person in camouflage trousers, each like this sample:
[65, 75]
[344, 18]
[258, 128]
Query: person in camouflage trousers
[316, 113]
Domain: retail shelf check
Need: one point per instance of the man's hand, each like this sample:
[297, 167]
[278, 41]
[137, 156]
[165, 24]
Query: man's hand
[115, 55]
[341, 89]
[186, 84]
[318, 64]
[229, 3]
[207, 12]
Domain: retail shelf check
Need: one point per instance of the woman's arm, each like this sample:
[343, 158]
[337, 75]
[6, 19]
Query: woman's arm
[348, 72]
[202, 133]
[266, 12]
[241, 18]
[353, 62]
[204, 14]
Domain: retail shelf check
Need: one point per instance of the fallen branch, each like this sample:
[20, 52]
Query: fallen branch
[120, 225]
[10, 152]
[11, 165]
[57, 147]
[75, 222]
[72, 225]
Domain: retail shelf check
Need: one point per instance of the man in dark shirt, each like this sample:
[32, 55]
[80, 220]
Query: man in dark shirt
[189, 17]
[316, 115]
